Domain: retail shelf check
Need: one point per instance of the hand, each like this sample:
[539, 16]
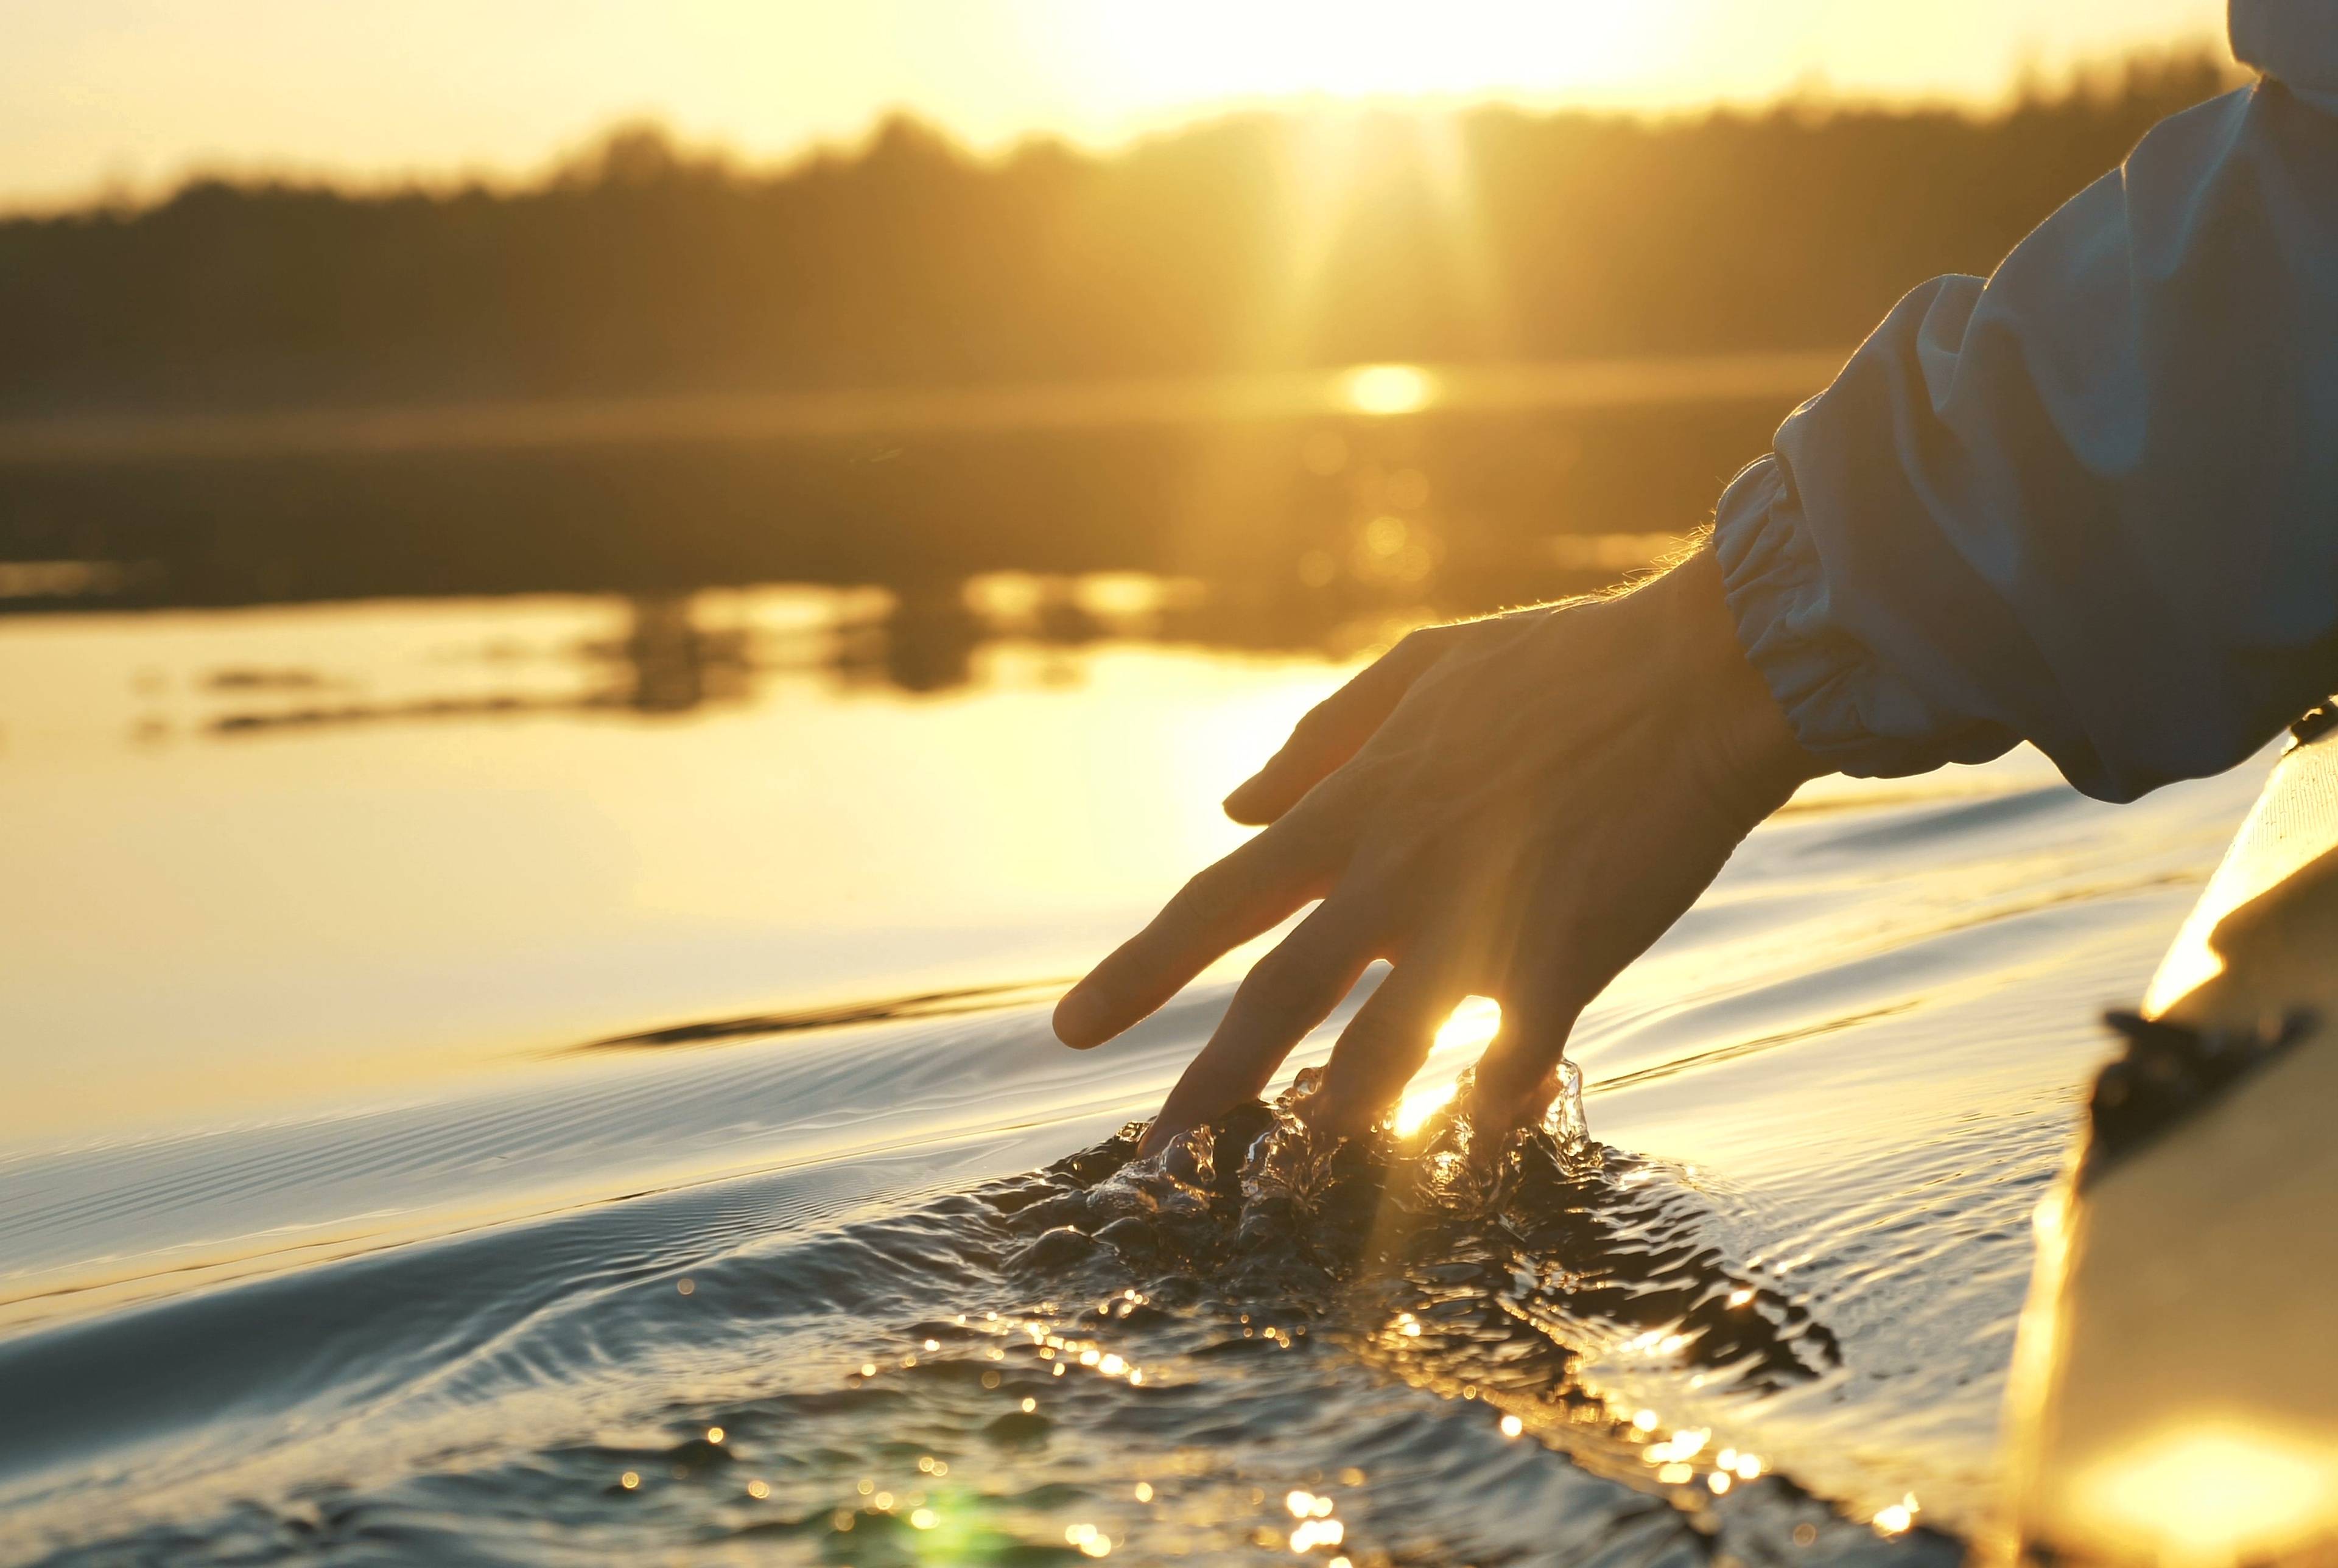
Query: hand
[1515, 808]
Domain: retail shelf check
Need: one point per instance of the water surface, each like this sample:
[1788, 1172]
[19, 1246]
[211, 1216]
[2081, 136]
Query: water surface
[465, 1056]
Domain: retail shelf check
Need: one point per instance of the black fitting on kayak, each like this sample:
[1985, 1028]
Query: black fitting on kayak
[2316, 722]
[2169, 1072]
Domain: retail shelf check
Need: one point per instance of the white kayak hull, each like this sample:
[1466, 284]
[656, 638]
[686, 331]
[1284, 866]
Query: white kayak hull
[2175, 1394]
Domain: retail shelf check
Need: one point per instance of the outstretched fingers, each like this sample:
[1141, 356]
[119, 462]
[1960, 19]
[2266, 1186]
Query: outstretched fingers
[1552, 967]
[1516, 1076]
[1286, 994]
[1335, 729]
[1389, 1037]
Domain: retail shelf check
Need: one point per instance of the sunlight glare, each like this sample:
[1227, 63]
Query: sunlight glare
[1470, 1027]
[1415, 1109]
[1385, 389]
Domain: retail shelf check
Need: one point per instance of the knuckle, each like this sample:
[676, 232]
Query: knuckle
[1333, 808]
[1308, 832]
[1291, 849]
[1203, 892]
[1227, 883]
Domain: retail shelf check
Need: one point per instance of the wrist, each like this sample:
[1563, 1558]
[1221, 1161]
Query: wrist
[1754, 749]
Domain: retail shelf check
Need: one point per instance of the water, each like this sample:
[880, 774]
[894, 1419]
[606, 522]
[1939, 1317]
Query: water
[464, 1055]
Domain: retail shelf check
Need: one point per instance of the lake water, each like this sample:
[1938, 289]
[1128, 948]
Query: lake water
[560, 1080]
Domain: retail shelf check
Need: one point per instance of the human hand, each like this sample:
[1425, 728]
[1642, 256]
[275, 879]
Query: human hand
[1515, 807]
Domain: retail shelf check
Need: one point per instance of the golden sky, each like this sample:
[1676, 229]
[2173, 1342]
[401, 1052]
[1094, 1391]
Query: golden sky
[137, 93]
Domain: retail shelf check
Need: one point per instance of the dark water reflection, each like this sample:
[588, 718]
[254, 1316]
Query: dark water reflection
[1343, 494]
[680, 652]
[925, 638]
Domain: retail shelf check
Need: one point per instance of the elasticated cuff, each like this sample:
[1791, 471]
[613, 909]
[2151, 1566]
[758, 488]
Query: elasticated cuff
[1843, 707]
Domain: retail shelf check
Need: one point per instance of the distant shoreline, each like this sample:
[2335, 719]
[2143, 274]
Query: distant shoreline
[499, 425]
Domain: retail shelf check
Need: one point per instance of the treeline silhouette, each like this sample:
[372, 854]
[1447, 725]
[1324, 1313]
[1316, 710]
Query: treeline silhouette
[1255, 243]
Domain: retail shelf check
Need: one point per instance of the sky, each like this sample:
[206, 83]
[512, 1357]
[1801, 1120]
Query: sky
[128, 97]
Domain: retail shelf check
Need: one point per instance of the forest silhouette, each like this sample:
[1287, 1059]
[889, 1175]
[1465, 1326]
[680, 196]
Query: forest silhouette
[1257, 245]
[1253, 242]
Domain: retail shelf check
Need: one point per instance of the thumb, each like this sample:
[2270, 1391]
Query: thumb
[1335, 729]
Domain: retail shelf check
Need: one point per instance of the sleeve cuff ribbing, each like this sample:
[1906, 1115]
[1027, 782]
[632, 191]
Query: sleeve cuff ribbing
[1845, 708]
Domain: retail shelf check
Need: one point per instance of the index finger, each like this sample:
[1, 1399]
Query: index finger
[1250, 891]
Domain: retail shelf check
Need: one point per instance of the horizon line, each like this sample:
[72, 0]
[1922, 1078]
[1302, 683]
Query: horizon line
[2093, 75]
[1368, 392]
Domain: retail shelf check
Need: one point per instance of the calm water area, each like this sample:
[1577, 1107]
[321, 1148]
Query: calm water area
[565, 1079]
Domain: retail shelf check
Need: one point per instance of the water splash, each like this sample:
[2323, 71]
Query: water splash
[1549, 1242]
